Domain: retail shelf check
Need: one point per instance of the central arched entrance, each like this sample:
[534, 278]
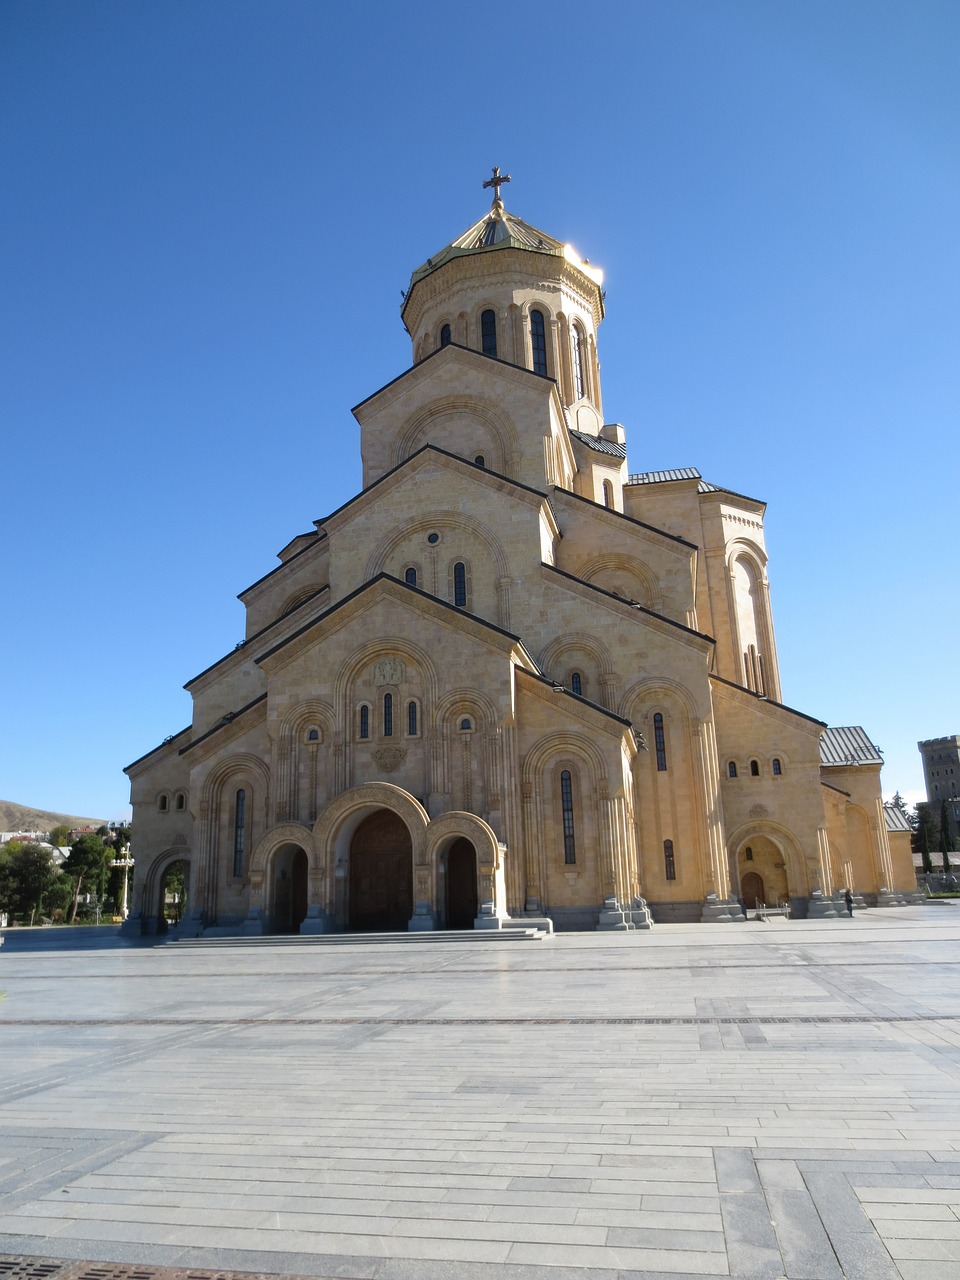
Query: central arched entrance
[172, 902]
[752, 890]
[461, 894]
[381, 874]
[763, 873]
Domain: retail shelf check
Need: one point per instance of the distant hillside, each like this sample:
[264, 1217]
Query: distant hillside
[20, 817]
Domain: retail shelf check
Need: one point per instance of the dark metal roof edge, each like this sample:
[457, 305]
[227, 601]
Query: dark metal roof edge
[770, 702]
[445, 453]
[366, 586]
[457, 346]
[628, 604]
[230, 718]
[586, 702]
[320, 536]
[622, 515]
[256, 636]
[153, 750]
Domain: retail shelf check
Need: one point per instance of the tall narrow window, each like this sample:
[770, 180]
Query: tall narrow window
[488, 333]
[579, 371]
[388, 715]
[364, 722]
[777, 767]
[608, 494]
[660, 743]
[410, 576]
[460, 584]
[163, 803]
[239, 831]
[754, 768]
[732, 769]
[566, 804]
[576, 683]
[412, 719]
[445, 336]
[669, 862]
[538, 342]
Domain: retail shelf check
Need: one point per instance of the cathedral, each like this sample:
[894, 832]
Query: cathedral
[509, 682]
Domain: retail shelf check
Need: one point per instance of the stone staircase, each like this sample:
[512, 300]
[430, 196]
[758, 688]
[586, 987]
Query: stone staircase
[469, 937]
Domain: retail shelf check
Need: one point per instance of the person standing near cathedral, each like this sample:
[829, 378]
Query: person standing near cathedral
[848, 899]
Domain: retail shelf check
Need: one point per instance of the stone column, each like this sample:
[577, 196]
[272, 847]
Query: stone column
[717, 907]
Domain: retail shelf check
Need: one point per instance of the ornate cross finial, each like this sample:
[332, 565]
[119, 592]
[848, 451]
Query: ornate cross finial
[496, 182]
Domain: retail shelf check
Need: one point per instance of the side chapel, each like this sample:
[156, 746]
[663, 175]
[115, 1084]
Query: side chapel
[509, 680]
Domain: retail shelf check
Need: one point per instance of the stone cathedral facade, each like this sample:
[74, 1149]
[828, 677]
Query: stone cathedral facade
[509, 680]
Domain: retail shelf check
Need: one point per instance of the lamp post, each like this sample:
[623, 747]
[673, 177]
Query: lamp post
[126, 862]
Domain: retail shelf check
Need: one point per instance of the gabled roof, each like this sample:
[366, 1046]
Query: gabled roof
[599, 445]
[687, 473]
[895, 818]
[848, 746]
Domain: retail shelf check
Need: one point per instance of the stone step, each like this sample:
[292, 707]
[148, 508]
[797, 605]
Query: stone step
[468, 936]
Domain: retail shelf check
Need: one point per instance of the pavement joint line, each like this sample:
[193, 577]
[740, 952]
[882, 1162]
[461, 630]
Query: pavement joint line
[360, 1021]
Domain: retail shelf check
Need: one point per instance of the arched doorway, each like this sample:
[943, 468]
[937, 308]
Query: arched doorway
[172, 896]
[763, 872]
[461, 895]
[289, 888]
[381, 874]
[752, 890]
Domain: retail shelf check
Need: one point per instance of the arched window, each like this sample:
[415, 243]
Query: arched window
[412, 719]
[488, 333]
[579, 368]
[608, 494]
[480, 460]
[566, 805]
[576, 683]
[466, 723]
[163, 802]
[660, 743]
[180, 803]
[732, 769]
[754, 768]
[777, 767]
[388, 715]
[445, 335]
[410, 576]
[313, 735]
[669, 862]
[538, 342]
[364, 721]
[748, 854]
[460, 584]
[239, 830]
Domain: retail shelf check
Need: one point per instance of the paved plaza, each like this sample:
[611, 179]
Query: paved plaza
[760, 1100]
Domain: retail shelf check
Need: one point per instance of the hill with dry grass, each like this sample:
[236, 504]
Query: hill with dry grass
[21, 817]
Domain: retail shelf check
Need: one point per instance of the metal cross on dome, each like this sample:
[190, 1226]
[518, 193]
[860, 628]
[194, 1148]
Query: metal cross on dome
[496, 182]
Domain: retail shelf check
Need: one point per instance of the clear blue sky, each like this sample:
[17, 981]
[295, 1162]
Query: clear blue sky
[208, 211]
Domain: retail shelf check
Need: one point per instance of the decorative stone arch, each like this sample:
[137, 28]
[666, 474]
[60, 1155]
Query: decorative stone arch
[438, 520]
[468, 700]
[555, 745]
[363, 655]
[452, 825]
[491, 417]
[552, 659]
[652, 597]
[297, 598]
[284, 833]
[549, 334]
[243, 762]
[333, 831]
[798, 878]
[747, 553]
[650, 692]
[153, 878]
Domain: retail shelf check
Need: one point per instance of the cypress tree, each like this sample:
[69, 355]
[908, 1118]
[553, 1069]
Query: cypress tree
[925, 849]
[946, 844]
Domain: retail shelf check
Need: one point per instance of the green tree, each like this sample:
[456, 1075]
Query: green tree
[32, 872]
[924, 821]
[88, 864]
[925, 849]
[59, 836]
[946, 840]
[898, 802]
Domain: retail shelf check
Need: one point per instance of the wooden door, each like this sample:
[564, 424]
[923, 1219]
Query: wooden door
[751, 887]
[461, 885]
[381, 874]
